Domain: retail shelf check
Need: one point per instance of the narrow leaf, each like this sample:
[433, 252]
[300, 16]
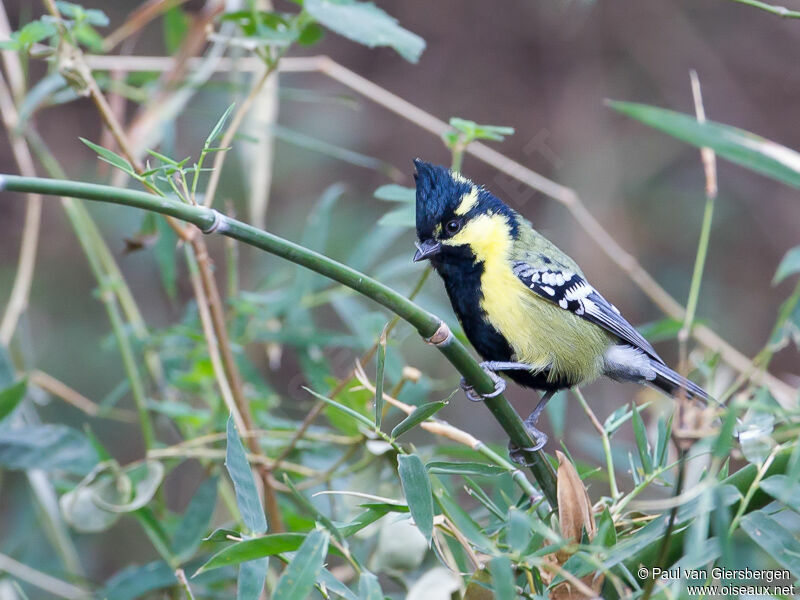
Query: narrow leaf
[379, 379]
[300, 575]
[365, 23]
[11, 396]
[790, 264]
[244, 485]
[776, 540]
[110, 157]
[239, 552]
[464, 468]
[642, 445]
[368, 587]
[345, 409]
[417, 489]
[47, 447]
[195, 521]
[739, 146]
[251, 578]
[502, 578]
[420, 414]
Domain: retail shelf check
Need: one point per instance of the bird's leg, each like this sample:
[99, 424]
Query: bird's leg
[491, 368]
[539, 437]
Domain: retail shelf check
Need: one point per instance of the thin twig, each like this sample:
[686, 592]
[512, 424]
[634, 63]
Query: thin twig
[230, 132]
[612, 478]
[137, 20]
[59, 389]
[41, 580]
[710, 168]
[20, 290]
[781, 11]
[181, 577]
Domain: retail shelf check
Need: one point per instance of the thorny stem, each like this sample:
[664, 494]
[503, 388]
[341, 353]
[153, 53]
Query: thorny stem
[426, 324]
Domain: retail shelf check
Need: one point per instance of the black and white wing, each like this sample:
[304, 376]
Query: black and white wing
[572, 292]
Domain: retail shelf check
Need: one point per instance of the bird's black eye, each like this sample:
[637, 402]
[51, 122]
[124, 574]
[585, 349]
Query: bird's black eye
[452, 227]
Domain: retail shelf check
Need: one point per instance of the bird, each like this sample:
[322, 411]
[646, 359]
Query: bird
[525, 306]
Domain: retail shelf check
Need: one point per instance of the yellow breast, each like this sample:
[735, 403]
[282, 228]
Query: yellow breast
[540, 333]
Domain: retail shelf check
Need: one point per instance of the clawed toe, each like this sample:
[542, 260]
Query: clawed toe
[474, 396]
[518, 454]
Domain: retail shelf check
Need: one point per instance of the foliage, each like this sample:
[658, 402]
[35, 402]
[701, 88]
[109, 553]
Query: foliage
[364, 492]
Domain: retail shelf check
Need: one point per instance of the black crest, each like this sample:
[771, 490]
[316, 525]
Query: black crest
[438, 194]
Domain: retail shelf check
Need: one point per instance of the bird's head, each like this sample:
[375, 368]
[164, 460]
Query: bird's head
[454, 215]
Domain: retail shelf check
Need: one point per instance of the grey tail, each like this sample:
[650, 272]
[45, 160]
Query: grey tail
[673, 384]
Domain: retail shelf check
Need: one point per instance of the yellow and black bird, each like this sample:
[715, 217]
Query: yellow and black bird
[526, 306]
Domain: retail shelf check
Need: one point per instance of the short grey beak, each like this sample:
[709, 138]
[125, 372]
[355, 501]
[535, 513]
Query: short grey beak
[426, 249]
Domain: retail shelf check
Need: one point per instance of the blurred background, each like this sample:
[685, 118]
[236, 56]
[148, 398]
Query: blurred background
[544, 68]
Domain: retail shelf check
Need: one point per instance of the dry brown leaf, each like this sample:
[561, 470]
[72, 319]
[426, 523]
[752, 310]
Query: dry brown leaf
[575, 516]
[574, 507]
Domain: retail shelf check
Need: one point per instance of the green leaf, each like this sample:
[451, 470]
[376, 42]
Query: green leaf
[502, 578]
[790, 264]
[724, 441]
[110, 157]
[47, 447]
[368, 587]
[92, 16]
[663, 329]
[364, 420]
[259, 547]
[365, 23]
[417, 489]
[783, 489]
[471, 131]
[332, 584]
[244, 485]
[405, 216]
[642, 444]
[11, 396]
[362, 520]
[175, 26]
[217, 129]
[195, 521]
[222, 535]
[776, 540]
[31, 33]
[396, 193]
[381, 362]
[465, 523]
[518, 530]
[300, 575]
[420, 414]
[739, 146]
[251, 578]
[137, 581]
[464, 468]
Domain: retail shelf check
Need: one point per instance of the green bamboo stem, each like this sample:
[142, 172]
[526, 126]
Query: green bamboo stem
[424, 322]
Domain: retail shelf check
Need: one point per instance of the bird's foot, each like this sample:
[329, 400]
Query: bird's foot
[518, 454]
[499, 385]
[539, 437]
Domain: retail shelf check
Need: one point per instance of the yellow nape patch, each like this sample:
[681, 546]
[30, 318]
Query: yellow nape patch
[540, 333]
[468, 201]
[459, 177]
